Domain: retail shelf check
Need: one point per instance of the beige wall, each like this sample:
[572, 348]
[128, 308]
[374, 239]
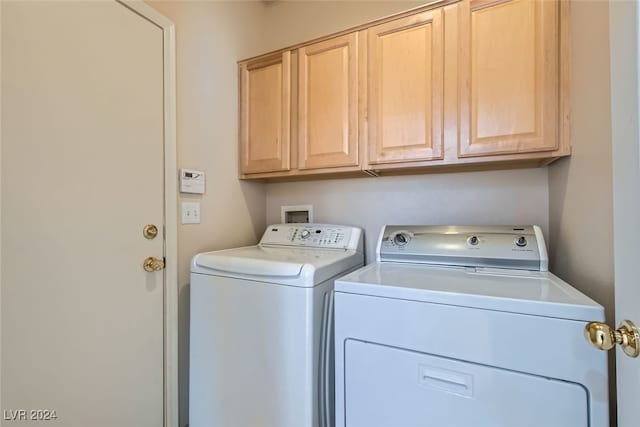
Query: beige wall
[300, 21]
[211, 37]
[580, 192]
[580, 199]
[501, 197]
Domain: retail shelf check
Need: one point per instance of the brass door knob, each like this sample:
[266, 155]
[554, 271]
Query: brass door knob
[603, 337]
[153, 264]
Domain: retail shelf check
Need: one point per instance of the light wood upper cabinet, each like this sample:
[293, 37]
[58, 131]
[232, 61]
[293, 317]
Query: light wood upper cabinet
[328, 103]
[405, 92]
[508, 76]
[265, 111]
[452, 85]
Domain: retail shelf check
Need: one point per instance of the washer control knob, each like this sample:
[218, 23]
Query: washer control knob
[521, 241]
[305, 234]
[473, 240]
[401, 239]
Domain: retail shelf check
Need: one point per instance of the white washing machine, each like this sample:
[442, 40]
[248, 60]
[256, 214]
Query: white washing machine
[465, 327]
[261, 334]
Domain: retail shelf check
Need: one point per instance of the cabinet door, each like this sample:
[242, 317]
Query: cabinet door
[328, 103]
[405, 94]
[508, 76]
[265, 109]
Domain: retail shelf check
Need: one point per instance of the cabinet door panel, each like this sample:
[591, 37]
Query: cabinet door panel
[265, 110]
[406, 89]
[328, 103]
[508, 76]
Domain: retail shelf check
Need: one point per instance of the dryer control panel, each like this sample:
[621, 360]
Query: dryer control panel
[514, 247]
[313, 235]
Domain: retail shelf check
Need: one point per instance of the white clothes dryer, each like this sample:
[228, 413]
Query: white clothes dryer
[465, 327]
[261, 333]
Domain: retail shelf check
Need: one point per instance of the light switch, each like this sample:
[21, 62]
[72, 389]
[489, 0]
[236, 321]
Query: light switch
[190, 212]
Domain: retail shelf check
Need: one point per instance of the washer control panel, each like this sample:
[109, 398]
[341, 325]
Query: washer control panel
[312, 235]
[515, 247]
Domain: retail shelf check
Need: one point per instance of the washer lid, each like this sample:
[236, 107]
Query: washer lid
[304, 267]
[526, 292]
[251, 260]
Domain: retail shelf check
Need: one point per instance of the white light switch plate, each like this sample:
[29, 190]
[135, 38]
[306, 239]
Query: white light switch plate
[190, 213]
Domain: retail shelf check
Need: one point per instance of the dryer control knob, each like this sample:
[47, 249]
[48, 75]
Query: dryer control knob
[401, 239]
[473, 240]
[305, 234]
[521, 241]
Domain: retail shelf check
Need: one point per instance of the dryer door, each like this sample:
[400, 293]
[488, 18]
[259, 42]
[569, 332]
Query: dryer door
[391, 387]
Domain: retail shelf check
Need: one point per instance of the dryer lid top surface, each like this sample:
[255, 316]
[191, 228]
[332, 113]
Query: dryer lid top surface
[525, 292]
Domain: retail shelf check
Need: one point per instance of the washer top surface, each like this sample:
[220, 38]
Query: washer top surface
[289, 254]
[524, 292]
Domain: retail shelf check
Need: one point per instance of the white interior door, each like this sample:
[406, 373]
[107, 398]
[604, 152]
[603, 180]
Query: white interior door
[624, 24]
[82, 174]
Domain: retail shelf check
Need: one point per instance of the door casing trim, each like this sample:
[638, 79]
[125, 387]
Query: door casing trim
[171, 402]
